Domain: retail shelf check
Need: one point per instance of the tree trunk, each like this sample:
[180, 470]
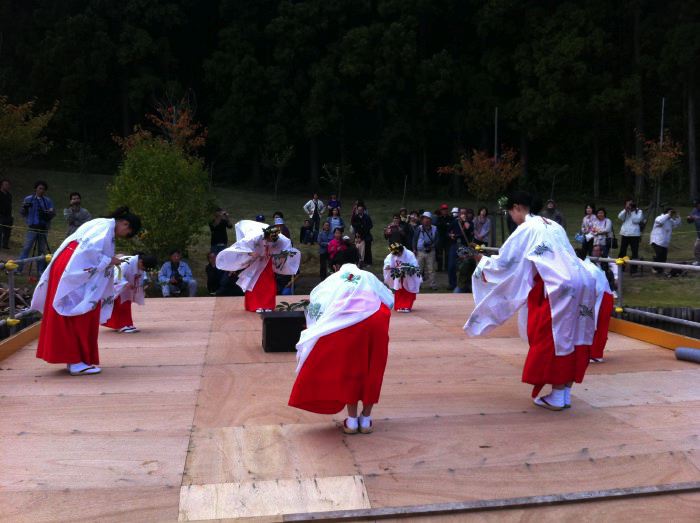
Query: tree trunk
[596, 167]
[313, 163]
[638, 145]
[692, 152]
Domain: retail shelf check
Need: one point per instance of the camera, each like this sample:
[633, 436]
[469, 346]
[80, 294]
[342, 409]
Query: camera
[427, 246]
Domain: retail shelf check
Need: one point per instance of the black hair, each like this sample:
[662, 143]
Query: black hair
[395, 216]
[149, 261]
[74, 193]
[41, 182]
[602, 209]
[335, 209]
[591, 205]
[278, 213]
[483, 209]
[525, 199]
[349, 255]
[173, 251]
[668, 209]
[341, 229]
[123, 213]
[581, 253]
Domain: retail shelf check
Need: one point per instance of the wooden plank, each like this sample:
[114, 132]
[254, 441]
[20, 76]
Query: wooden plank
[266, 498]
[662, 338]
[14, 343]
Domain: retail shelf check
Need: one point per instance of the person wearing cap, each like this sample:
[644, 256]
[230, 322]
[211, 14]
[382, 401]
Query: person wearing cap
[260, 252]
[424, 241]
[278, 220]
[443, 222]
[402, 275]
[217, 227]
[342, 353]
[551, 212]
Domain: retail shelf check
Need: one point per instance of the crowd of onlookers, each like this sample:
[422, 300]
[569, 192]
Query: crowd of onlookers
[438, 238]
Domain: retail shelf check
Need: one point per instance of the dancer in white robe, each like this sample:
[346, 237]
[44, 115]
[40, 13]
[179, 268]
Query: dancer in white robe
[129, 288]
[402, 274]
[538, 273]
[259, 253]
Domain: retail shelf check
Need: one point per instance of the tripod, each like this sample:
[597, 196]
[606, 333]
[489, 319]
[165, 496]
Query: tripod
[35, 250]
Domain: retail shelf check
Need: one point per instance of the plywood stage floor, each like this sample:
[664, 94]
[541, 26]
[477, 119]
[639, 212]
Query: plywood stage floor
[189, 421]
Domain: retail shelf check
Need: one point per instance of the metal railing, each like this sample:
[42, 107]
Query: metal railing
[10, 266]
[621, 262]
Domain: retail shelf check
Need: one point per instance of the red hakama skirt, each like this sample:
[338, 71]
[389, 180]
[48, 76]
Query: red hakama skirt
[263, 295]
[344, 367]
[121, 315]
[404, 299]
[542, 365]
[67, 339]
[601, 331]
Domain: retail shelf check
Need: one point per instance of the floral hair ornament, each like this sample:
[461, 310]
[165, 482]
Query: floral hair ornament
[395, 248]
[272, 233]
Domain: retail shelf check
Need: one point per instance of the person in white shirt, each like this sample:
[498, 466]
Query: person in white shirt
[630, 232]
[314, 208]
[660, 237]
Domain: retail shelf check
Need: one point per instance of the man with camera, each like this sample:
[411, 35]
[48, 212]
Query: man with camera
[630, 232]
[38, 211]
[660, 237]
[75, 215]
[175, 277]
[425, 240]
[219, 234]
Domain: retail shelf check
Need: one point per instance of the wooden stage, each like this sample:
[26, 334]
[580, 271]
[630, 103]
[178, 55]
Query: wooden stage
[189, 421]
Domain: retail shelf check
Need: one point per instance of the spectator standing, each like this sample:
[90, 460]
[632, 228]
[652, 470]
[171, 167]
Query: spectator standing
[335, 245]
[461, 234]
[694, 217]
[175, 277]
[324, 238]
[482, 227]
[38, 211]
[6, 219]
[660, 237]
[587, 224]
[424, 247]
[314, 208]
[333, 203]
[362, 223]
[75, 215]
[412, 225]
[393, 232]
[630, 232]
[552, 213]
[360, 246]
[602, 231]
[335, 221]
[403, 213]
[443, 223]
[278, 220]
[218, 227]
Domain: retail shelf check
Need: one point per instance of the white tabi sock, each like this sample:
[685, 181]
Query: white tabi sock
[365, 421]
[555, 398]
[567, 395]
[351, 423]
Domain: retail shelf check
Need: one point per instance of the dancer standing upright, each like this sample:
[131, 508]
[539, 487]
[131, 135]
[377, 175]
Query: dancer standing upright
[402, 274]
[76, 293]
[259, 252]
[538, 273]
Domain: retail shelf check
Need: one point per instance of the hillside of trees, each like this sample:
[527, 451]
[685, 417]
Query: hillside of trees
[389, 90]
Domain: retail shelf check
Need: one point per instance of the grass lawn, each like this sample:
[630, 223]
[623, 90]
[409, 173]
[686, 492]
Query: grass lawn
[647, 290]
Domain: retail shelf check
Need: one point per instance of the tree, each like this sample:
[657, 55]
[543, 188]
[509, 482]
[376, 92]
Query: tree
[21, 132]
[168, 189]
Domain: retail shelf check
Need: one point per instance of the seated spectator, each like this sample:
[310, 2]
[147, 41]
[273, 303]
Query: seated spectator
[335, 221]
[175, 277]
[306, 234]
[335, 245]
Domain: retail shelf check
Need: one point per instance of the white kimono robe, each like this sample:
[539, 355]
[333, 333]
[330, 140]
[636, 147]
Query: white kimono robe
[88, 280]
[128, 281]
[251, 253]
[345, 298]
[409, 283]
[538, 246]
[601, 285]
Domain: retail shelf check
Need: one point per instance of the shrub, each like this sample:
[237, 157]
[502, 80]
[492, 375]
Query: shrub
[168, 189]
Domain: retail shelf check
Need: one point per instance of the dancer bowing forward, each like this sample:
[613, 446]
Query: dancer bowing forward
[402, 274]
[343, 351]
[259, 252]
[128, 289]
[76, 292]
[537, 267]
